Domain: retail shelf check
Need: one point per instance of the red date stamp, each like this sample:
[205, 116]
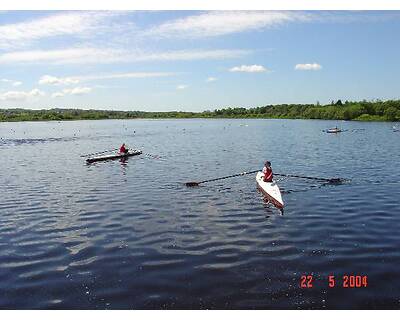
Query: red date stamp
[345, 281]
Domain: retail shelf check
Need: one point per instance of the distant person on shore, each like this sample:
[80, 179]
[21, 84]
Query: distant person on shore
[267, 171]
[123, 149]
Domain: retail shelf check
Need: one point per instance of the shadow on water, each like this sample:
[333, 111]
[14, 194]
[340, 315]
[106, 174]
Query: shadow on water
[270, 209]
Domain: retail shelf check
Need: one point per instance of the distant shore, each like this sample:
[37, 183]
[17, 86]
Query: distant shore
[359, 111]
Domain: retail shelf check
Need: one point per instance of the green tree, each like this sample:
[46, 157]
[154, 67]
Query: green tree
[391, 114]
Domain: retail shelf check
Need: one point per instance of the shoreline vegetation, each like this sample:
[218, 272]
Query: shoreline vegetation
[360, 111]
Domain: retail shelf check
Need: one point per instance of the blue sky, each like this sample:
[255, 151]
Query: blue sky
[195, 60]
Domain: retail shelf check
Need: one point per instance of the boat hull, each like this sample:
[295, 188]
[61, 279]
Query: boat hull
[333, 130]
[114, 156]
[270, 190]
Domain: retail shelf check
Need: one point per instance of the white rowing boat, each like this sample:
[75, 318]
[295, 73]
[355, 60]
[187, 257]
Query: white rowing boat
[270, 190]
[334, 130]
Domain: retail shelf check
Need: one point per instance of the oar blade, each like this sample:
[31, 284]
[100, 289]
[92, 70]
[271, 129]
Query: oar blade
[336, 181]
[192, 184]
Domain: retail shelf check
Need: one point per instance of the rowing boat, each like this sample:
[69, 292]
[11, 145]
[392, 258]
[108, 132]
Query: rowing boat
[114, 156]
[334, 130]
[270, 190]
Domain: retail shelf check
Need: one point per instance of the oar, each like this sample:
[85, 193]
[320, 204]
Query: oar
[331, 180]
[194, 183]
[100, 152]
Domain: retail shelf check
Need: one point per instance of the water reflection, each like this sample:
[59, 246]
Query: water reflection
[129, 234]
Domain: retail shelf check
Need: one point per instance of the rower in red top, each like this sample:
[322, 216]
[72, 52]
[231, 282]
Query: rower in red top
[267, 171]
[123, 149]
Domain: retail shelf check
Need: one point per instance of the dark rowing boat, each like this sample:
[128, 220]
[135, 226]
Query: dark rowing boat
[114, 156]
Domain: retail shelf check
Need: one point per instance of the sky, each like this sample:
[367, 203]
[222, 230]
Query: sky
[195, 60]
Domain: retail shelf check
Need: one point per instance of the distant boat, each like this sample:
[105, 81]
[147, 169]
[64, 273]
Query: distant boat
[334, 130]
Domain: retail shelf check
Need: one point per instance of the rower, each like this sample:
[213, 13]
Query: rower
[123, 149]
[267, 171]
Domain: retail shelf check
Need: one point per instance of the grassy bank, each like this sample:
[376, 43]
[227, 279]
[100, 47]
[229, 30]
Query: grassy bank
[349, 110]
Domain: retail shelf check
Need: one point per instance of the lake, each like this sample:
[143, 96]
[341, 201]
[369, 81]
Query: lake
[130, 235]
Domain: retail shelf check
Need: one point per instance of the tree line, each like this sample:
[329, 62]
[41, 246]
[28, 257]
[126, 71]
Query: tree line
[349, 110]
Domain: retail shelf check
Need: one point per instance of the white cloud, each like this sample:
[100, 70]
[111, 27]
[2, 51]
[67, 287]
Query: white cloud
[217, 23]
[103, 55]
[182, 87]
[63, 56]
[211, 79]
[12, 82]
[13, 95]
[193, 55]
[36, 93]
[57, 95]
[77, 90]
[20, 95]
[77, 23]
[249, 68]
[46, 79]
[308, 66]
[72, 91]
[85, 90]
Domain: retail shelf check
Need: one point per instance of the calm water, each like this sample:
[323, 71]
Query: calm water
[127, 235]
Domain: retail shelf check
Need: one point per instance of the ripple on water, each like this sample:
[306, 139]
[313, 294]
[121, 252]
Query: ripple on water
[108, 236]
